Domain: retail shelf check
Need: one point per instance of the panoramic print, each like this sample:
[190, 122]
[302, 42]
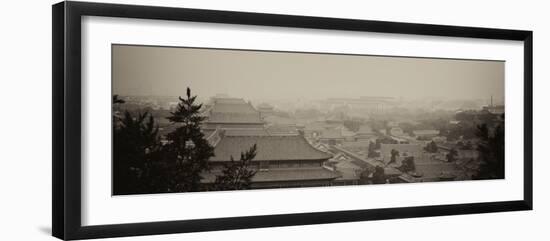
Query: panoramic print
[199, 119]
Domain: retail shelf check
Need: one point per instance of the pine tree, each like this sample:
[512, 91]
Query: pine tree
[393, 158]
[379, 175]
[431, 147]
[187, 151]
[491, 152]
[135, 145]
[117, 100]
[407, 165]
[451, 156]
[237, 175]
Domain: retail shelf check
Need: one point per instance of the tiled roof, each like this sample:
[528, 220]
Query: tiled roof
[246, 132]
[265, 106]
[356, 144]
[283, 174]
[364, 129]
[282, 130]
[233, 108]
[332, 134]
[434, 170]
[396, 131]
[207, 133]
[426, 132]
[221, 117]
[296, 174]
[232, 111]
[269, 148]
[345, 132]
[280, 120]
[360, 163]
[349, 170]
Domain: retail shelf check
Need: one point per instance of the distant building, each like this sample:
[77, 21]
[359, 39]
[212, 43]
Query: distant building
[440, 139]
[336, 118]
[356, 146]
[346, 133]
[331, 136]
[392, 124]
[496, 110]
[428, 134]
[279, 120]
[349, 171]
[265, 109]
[315, 129]
[397, 131]
[282, 130]
[365, 132]
[322, 147]
[226, 113]
[404, 150]
[281, 161]
[364, 104]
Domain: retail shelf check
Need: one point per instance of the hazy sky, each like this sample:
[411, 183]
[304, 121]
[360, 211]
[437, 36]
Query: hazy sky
[167, 71]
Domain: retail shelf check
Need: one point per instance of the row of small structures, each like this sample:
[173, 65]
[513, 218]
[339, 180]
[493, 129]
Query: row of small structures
[313, 155]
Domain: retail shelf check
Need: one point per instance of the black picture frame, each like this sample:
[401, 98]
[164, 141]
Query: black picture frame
[66, 78]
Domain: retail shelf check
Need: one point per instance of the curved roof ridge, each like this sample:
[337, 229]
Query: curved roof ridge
[292, 147]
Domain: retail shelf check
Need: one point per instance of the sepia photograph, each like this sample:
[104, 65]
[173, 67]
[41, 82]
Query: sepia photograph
[188, 119]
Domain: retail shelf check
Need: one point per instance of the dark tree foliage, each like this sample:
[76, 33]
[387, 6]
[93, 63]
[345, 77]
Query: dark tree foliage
[431, 147]
[491, 150]
[143, 165]
[187, 152]
[407, 165]
[452, 155]
[379, 176]
[352, 125]
[117, 100]
[394, 154]
[372, 150]
[237, 175]
[465, 145]
[464, 130]
[135, 151]
[468, 146]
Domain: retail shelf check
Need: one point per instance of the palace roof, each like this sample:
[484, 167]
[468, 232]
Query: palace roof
[365, 130]
[232, 110]
[269, 148]
[426, 132]
[283, 174]
[246, 132]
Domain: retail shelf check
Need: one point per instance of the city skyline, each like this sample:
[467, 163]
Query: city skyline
[333, 125]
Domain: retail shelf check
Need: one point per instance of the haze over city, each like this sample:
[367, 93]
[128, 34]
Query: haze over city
[167, 71]
[293, 120]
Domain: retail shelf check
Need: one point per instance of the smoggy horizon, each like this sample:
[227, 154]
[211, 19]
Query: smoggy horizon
[168, 71]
